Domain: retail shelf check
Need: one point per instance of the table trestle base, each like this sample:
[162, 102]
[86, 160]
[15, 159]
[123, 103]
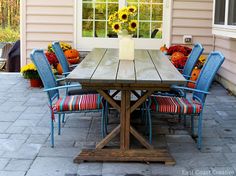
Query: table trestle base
[132, 155]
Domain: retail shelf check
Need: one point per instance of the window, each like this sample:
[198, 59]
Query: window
[225, 18]
[232, 13]
[93, 29]
[220, 12]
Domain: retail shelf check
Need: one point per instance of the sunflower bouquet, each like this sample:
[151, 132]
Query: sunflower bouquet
[124, 21]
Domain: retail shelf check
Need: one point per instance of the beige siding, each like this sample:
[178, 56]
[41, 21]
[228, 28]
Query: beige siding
[48, 21]
[193, 17]
[227, 73]
[45, 21]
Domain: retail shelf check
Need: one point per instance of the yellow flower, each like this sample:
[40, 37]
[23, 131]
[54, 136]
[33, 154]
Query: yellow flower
[133, 25]
[111, 18]
[123, 9]
[202, 59]
[124, 19]
[115, 15]
[116, 27]
[132, 9]
[123, 16]
[28, 67]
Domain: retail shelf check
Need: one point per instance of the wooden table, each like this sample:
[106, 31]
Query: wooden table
[150, 71]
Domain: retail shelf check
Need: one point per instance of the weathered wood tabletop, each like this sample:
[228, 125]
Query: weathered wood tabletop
[150, 71]
[149, 67]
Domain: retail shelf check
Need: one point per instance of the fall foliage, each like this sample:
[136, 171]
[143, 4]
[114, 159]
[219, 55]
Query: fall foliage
[10, 14]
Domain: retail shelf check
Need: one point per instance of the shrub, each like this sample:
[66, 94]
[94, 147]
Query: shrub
[9, 35]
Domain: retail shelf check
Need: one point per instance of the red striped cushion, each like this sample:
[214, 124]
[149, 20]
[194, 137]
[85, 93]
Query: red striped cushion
[79, 102]
[175, 105]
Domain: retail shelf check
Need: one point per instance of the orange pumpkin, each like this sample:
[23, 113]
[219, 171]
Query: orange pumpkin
[194, 76]
[59, 69]
[178, 59]
[71, 53]
[163, 48]
[73, 60]
[176, 56]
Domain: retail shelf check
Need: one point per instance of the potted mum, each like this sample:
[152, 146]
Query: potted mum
[124, 23]
[30, 72]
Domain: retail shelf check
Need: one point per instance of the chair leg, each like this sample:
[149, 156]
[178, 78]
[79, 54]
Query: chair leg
[59, 124]
[150, 125]
[142, 113]
[106, 117]
[192, 125]
[199, 139]
[103, 123]
[52, 133]
[179, 118]
[63, 118]
[185, 121]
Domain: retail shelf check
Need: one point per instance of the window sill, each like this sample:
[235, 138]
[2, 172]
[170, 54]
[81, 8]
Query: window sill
[224, 31]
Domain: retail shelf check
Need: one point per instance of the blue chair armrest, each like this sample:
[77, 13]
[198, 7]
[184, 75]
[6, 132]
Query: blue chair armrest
[66, 73]
[61, 79]
[62, 87]
[186, 76]
[191, 81]
[74, 65]
[190, 89]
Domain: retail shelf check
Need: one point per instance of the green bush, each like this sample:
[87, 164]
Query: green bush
[9, 35]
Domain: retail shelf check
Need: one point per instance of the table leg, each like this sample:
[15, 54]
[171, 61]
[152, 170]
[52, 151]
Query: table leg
[125, 120]
[125, 129]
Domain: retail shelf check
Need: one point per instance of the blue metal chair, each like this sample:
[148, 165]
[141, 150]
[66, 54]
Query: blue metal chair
[61, 58]
[187, 70]
[192, 60]
[67, 69]
[74, 91]
[186, 106]
[67, 104]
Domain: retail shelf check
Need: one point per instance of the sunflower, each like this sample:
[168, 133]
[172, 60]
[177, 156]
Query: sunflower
[132, 9]
[123, 9]
[116, 27]
[111, 19]
[116, 15]
[123, 16]
[133, 25]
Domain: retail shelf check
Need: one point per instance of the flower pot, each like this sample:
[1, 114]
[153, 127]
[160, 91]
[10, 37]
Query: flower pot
[36, 83]
[126, 47]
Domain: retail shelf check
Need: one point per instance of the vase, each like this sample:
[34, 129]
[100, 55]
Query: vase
[126, 46]
[36, 83]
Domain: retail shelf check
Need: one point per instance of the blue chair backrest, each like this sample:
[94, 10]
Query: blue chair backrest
[192, 59]
[61, 56]
[45, 72]
[207, 74]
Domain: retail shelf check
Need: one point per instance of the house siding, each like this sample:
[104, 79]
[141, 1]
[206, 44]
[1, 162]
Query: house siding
[193, 17]
[227, 73]
[47, 21]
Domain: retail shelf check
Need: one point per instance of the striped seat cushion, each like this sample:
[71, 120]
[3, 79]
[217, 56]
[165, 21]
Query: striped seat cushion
[78, 102]
[177, 105]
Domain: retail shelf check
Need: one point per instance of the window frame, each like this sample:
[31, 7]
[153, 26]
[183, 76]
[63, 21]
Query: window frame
[88, 43]
[223, 30]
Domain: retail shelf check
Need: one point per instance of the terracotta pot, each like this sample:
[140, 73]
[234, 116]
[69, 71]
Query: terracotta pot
[36, 83]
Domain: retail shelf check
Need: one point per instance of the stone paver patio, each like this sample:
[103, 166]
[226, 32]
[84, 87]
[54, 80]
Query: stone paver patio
[25, 146]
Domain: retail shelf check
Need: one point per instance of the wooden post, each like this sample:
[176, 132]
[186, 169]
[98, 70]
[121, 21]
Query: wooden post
[122, 120]
[127, 119]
